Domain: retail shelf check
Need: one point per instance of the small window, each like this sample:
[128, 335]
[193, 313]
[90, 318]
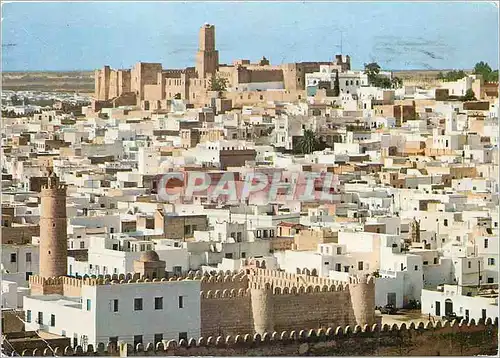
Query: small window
[243, 255]
[28, 257]
[485, 243]
[181, 302]
[13, 258]
[52, 320]
[490, 280]
[416, 267]
[338, 267]
[339, 250]
[137, 304]
[469, 264]
[28, 316]
[115, 305]
[40, 318]
[491, 261]
[445, 222]
[158, 303]
[89, 304]
[360, 265]
[82, 244]
[228, 255]
[426, 262]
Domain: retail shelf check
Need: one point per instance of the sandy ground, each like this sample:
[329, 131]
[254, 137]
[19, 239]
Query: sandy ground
[406, 316]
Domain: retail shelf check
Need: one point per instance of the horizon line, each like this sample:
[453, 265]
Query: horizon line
[392, 70]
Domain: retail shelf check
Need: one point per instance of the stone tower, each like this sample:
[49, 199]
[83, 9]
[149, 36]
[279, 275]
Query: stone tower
[362, 290]
[53, 229]
[262, 308]
[207, 58]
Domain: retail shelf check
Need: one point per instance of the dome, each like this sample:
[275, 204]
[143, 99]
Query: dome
[149, 256]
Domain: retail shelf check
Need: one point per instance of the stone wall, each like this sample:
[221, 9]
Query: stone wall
[246, 75]
[226, 312]
[414, 340]
[12, 320]
[19, 234]
[312, 308]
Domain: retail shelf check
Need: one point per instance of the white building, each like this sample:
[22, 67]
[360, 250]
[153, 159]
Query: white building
[466, 302]
[134, 312]
[20, 259]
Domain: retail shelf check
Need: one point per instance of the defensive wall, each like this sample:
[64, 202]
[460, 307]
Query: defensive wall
[252, 301]
[423, 339]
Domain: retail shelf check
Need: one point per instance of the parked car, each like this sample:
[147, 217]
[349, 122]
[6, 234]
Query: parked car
[388, 309]
[414, 305]
[452, 316]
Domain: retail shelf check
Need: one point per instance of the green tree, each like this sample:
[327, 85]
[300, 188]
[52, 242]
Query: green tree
[483, 69]
[217, 83]
[397, 82]
[469, 95]
[493, 76]
[440, 76]
[308, 143]
[372, 70]
[454, 75]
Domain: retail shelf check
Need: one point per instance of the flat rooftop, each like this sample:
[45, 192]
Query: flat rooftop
[73, 302]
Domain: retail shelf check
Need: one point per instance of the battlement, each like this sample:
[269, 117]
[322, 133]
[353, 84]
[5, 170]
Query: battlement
[356, 280]
[59, 189]
[232, 293]
[227, 280]
[284, 279]
[455, 338]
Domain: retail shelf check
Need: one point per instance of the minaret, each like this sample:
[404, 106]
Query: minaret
[207, 58]
[53, 229]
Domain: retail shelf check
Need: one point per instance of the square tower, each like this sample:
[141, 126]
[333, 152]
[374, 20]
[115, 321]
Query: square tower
[207, 58]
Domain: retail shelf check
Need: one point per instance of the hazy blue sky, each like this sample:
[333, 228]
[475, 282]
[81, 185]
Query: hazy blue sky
[69, 36]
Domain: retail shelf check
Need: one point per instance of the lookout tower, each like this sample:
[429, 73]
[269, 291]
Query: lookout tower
[53, 229]
[207, 58]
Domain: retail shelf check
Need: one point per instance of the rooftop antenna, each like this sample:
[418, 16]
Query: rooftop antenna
[341, 33]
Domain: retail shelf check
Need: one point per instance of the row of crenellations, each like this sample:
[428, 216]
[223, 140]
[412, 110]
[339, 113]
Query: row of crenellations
[229, 293]
[285, 337]
[237, 280]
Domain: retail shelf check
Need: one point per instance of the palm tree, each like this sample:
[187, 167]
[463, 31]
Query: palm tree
[308, 142]
[397, 82]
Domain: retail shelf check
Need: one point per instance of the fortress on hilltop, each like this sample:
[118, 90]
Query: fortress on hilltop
[151, 87]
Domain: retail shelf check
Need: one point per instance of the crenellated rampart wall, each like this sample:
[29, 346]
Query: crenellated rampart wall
[423, 339]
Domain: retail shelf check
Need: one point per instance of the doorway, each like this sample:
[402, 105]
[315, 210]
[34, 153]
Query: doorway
[448, 307]
[391, 298]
